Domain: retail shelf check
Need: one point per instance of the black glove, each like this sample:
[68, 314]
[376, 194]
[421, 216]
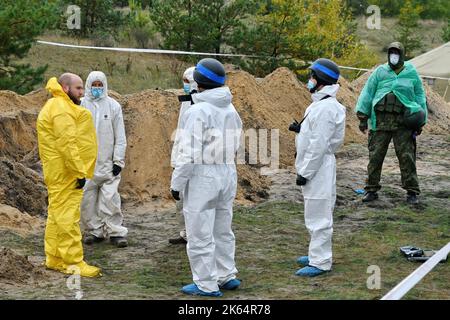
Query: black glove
[81, 183]
[116, 169]
[295, 126]
[363, 126]
[175, 194]
[301, 181]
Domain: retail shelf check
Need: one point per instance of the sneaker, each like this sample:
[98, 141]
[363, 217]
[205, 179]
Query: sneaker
[232, 284]
[370, 196]
[91, 239]
[411, 198]
[193, 290]
[178, 240]
[303, 260]
[119, 242]
[310, 271]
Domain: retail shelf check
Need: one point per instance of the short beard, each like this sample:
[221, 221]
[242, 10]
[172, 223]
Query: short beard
[74, 100]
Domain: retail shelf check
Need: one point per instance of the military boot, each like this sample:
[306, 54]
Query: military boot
[370, 196]
[411, 198]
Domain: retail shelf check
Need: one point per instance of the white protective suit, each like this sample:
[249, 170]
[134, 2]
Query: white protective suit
[206, 174]
[321, 134]
[189, 75]
[101, 212]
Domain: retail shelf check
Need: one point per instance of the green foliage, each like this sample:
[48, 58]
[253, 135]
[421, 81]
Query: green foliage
[432, 9]
[200, 25]
[295, 32]
[97, 17]
[140, 26]
[446, 32]
[408, 27]
[21, 21]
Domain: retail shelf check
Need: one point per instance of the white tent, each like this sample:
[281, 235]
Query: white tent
[434, 63]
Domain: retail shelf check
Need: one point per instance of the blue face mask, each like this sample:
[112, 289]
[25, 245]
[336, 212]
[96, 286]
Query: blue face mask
[310, 85]
[187, 88]
[97, 92]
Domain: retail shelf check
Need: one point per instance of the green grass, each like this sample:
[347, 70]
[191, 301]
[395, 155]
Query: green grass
[270, 237]
[148, 71]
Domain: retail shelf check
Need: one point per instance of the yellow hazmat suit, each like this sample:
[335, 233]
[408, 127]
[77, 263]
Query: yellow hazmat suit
[68, 151]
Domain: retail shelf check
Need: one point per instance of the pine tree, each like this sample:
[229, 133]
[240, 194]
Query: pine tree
[408, 23]
[295, 32]
[21, 21]
[199, 25]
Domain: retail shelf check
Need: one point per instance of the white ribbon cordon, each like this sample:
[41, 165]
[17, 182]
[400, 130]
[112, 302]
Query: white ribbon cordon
[161, 51]
[144, 50]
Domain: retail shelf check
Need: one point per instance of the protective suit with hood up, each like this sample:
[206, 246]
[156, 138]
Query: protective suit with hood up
[321, 134]
[205, 173]
[68, 151]
[191, 88]
[101, 207]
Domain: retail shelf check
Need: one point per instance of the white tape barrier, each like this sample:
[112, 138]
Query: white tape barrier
[144, 50]
[410, 281]
[161, 51]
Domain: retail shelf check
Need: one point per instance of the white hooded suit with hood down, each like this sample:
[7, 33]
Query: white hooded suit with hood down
[321, 134]
[205, 173]
[101, 212]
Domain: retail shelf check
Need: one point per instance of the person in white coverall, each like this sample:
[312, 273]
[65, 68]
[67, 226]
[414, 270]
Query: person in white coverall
[101, 213]
[205, 174]
[320, 135]
[189, 87]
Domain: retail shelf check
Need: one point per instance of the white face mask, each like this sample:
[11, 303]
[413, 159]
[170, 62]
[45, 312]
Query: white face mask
[394, 58]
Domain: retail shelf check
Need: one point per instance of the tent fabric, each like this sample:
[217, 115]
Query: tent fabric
[435, 63]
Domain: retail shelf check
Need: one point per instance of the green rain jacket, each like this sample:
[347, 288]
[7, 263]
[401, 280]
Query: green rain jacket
[407, 86]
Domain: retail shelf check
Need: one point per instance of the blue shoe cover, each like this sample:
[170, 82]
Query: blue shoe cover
[303, 260]
[193, 290]
[231, 285]
[309, 271]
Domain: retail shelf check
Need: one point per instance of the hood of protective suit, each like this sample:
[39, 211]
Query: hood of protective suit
[220, 97]
[189, 75]
[56, 89]
[96, 76]
[330, 90]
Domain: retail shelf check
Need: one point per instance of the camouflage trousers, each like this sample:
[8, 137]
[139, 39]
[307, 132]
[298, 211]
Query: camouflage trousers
[405, 149]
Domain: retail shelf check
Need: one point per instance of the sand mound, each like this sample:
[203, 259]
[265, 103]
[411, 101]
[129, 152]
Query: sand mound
[15, 268]
[150, 119]
[22, 188]
[20, 222]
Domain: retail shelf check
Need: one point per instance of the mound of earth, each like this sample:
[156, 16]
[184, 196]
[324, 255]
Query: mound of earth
[15, 268]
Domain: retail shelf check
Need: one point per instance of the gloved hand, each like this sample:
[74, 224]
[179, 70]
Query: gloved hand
[175, 194]
[81, 183]
[301, 181]
[417, 133]
[295, 126]
[116, 169]
[363, 126]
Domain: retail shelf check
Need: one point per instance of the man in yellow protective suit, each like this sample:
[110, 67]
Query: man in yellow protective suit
[68, 151]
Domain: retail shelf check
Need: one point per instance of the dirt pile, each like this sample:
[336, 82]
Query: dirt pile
[17, 221]
[22, 188]
[15, 268]
[151, 117]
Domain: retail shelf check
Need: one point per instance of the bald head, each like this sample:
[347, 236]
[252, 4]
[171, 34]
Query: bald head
[72, 86]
